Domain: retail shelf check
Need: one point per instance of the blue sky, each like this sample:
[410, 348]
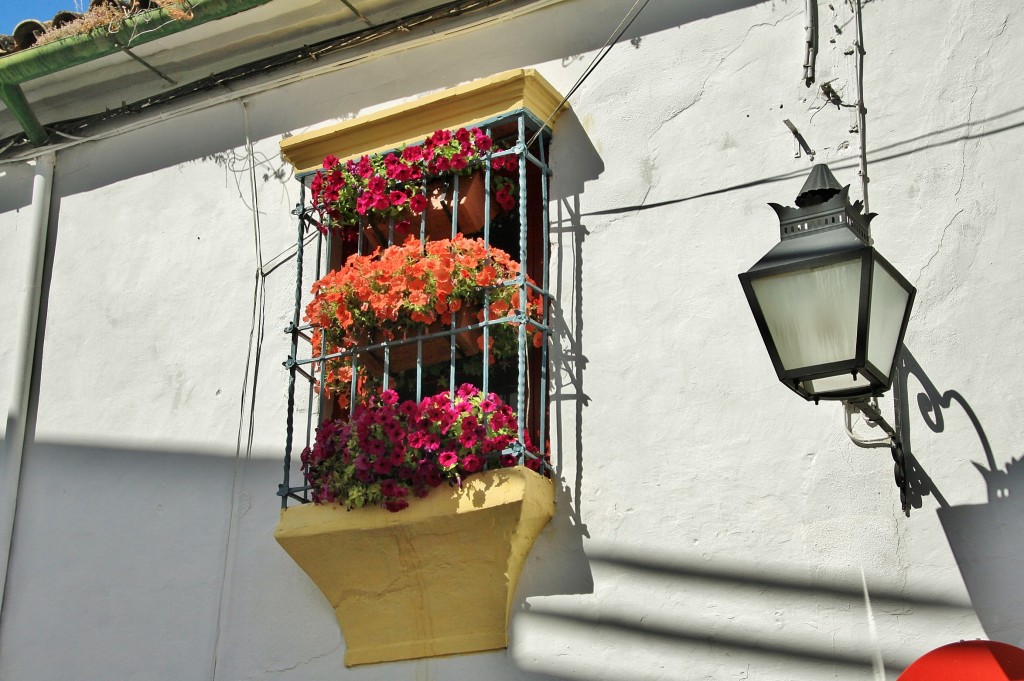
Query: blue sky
[13, 11]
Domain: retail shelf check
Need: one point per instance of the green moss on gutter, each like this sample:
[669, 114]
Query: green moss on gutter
[62, 54]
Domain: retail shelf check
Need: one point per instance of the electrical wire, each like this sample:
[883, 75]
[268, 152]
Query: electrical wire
[867, 443]
[616, 34]
[256, 334]
[287, 254]
[260, 282]
[862, 111]
[222, 80]
[63, 134]
[855, 5]
[810, 40]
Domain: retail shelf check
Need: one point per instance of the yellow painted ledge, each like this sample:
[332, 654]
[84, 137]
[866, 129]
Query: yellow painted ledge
[409, 123]
[437, 578]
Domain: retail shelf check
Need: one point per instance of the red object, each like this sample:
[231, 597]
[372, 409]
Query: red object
[968, 661]
[472, 194]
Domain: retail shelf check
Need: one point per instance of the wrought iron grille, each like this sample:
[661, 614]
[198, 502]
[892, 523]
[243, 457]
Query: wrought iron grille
[521, 382]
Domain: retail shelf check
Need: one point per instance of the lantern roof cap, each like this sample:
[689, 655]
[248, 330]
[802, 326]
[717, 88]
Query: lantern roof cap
[820, 186]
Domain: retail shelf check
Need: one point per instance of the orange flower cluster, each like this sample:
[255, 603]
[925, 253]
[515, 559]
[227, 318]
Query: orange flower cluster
[399, 291]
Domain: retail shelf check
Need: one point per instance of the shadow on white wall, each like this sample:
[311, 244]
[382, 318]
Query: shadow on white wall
[985, 538]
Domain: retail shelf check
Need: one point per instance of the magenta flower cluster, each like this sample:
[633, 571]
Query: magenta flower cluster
[390, 185]
[388, 451]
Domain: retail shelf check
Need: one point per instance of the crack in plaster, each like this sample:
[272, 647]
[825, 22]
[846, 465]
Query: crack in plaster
[963, 146]
[959, 186]
[643, 199]
[685, 107]
[721, 62]
[740, 43]
[942, 240]
[900, 559]
[983, 59]
[300, 663]
[704, 86]
[999, 33]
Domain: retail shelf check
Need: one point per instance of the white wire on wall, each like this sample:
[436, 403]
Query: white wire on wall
[247, 399]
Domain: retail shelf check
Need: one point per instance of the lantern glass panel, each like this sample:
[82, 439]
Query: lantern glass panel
[843, 383]
[812, 314]
[888, 308]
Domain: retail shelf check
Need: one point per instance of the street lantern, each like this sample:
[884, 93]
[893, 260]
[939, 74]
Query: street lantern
[832, 312]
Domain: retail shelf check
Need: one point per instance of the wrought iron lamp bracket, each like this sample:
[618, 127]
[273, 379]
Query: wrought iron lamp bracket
[868, 408]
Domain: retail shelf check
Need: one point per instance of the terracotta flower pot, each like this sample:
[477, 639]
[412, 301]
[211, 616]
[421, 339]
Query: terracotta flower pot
[434, 579]
[440, 206]
[472, 195]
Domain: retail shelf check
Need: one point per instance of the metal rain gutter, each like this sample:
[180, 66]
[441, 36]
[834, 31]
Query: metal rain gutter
[43, 60]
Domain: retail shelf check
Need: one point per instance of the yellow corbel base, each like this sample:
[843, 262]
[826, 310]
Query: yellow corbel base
[437, 578]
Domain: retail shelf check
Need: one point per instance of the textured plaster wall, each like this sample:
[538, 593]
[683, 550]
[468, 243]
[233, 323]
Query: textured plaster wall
[711, 525]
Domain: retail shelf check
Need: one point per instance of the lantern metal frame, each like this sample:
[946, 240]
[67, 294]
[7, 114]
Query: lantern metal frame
[826, 229]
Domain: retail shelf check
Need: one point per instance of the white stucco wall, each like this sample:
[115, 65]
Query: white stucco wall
[16, 238]
[711, 524]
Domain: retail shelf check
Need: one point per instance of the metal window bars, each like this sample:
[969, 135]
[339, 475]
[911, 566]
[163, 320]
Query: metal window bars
[518, 133]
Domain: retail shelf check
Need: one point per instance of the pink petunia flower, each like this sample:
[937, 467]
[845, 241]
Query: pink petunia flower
[505, 199]
[412, 154]
[471, 463]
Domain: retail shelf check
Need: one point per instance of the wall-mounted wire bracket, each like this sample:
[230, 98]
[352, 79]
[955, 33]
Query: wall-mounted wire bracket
[868, 408]
[800, 141]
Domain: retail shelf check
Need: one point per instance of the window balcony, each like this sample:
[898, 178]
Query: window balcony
[419, 359]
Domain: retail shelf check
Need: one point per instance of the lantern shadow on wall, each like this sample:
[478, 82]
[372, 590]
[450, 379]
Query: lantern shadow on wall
[984, 537]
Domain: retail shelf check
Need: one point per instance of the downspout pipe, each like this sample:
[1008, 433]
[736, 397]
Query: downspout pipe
[17, 418]
[43, 60]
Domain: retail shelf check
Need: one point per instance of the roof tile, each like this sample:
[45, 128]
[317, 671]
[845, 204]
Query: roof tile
[27, 32]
